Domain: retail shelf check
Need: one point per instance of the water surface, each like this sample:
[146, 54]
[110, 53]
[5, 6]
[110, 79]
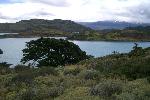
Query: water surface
[8, 33]
[12, 48]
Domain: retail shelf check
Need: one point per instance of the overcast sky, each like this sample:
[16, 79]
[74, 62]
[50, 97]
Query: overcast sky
[76, 10]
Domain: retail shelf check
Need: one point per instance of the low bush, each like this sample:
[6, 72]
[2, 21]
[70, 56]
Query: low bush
[78, 93]
[4, 68]
[44, 71]
[89, 74]
[21, 68]
[135, 90]
[131, 70]
[74, 71]
[26, 77]
[148, 79]
[47, 92]
[28, 95]
[106, 89]
[56, 91]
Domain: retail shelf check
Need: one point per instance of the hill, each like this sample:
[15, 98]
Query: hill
[114, 77]
[43, 27]
[139, 33]
[101, 25]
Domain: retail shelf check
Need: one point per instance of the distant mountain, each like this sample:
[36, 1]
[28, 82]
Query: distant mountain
[138, 33]
[43, 27]
[145, 29]
[101, 25]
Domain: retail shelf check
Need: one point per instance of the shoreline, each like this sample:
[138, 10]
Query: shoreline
[63, 37]
[67, 38]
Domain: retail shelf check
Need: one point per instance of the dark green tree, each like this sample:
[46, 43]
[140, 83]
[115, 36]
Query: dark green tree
[52, 52]
[1, 52]
[137, 51]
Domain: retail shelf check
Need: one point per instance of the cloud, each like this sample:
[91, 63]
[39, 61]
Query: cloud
[3, 17]
[42, 13]
[141, 12]
[19, 11]
[76, 10]
[60, 3]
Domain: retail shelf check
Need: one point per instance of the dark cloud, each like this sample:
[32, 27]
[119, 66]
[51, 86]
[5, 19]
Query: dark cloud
[42, 13]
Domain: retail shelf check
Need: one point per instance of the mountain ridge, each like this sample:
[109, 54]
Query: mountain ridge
[43, 27]
[102, 25]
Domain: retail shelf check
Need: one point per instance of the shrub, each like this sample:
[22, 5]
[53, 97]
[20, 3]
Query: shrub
[135, 90]
[89, 74]
[26, 77]
[4, 68]
[106, 89]
[137, 51]
[21, 68]
[139, 69]
[44, 71]
[45, 93]
[72, 71]
[56, 91]
[4, 65]
[28, 95]
[78, 93]
[148, 79]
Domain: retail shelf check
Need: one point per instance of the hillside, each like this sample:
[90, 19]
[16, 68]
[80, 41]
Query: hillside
[39, 27]
[43, 27]
[101, 25]
[139, 33]
[114, 77]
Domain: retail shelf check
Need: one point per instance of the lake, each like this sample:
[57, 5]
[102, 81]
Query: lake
[8, 33]
[12, 48]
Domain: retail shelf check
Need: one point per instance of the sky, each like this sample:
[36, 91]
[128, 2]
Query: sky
[76, 10]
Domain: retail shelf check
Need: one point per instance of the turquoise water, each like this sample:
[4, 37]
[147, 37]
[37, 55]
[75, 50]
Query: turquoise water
[12, 48]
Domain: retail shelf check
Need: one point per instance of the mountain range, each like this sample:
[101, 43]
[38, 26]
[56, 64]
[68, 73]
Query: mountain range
[102, 25]
[102, 30]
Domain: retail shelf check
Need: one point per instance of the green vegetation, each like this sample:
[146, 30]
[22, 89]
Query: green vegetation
[135, 33]
[1, 52]
[128, 34]
[72, 30]
[52, 52]
[113, 77]
[135, 64]
[87, 36]
[41, 27]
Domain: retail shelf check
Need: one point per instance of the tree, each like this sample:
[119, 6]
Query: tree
[1, 52]
[137, 51]
[52, 52]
